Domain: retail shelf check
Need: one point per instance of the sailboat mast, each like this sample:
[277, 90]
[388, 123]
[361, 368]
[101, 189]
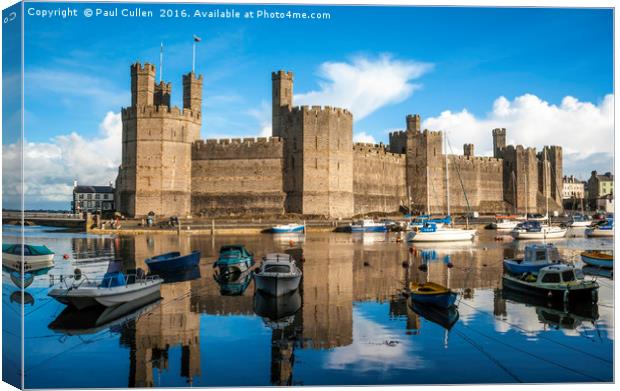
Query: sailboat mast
[445, 147]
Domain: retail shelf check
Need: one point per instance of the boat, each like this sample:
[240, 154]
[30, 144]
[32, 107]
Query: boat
[598, 258]
[535, 230]
[113, 289]
[190, 274]
[505, 224]
[430, 293]
[556, 282]
[579, 221]
[288, 228]
[172, 262]
[445, 317]
[233, 258]
[368, 225]
[537, 217]
[536, 257]
[276, 308]
[419, 221]
[602, 229]
[277, 275]
[34, 257]
[430, 233]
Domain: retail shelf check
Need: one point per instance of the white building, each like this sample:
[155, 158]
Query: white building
[572, 188]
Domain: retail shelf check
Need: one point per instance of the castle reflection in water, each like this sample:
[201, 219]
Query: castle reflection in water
[338, 271]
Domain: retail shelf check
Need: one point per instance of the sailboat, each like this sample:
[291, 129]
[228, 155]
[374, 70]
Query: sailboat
[430, 232]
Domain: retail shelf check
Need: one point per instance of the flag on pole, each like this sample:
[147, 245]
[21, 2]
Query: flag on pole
[196, 38]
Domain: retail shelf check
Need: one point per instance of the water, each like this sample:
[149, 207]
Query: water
[347, 324]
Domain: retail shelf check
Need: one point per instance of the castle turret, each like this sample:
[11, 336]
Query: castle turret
[413, 122]
[281, 98]
[162, 94]
[499, 141]
[142, 84]
[192, 92]
[468, 150]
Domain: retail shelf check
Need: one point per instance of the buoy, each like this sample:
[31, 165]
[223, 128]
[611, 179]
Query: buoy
[450, 265]
[291, 243]
[423, 267]
[65, 256]
[405, 264]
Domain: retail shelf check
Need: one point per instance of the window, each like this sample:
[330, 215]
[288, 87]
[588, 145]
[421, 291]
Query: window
[89, 196]
[98, 204]
[540, 255]
[81, 196]
[106, 196]
[89, 204]
[97, 196]
[551, 277]
[568, 276]
[277, 269]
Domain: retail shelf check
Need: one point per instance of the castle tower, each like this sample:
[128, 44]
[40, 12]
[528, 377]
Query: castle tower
[281, 98]
[499, 141]
[468, 150]
[413, 122]
[155, 171]
[554, 155]
[162, 94]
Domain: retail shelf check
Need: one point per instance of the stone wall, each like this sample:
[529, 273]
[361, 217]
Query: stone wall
[237, 176]
[379, 179]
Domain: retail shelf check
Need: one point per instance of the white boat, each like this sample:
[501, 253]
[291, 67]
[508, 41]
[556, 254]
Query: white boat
[603, 229]
[535, 230]
[580, 221]
[278, 275]
[505, 225]
[288, 228]
[34, 257]
[113, 289]
[368, 225]
[536, 257]
[431, 233]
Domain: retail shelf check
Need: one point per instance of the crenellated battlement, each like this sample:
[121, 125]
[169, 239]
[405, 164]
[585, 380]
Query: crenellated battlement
[376, 149]
[238, 148]
[160, 111]
[281, 74]
[320, 110]
[139, 67]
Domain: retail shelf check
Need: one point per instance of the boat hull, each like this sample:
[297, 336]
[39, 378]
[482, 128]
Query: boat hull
[516, 267]
[539, 235]
[445, 317]
[31, 262]
[595, 261]
[382, 228]
[81, 298]
[441, 300]
[456, 235]
[599, 233]
[580, 224]
[285, 230]
[276, 286]
[174, 264]
[587, 292]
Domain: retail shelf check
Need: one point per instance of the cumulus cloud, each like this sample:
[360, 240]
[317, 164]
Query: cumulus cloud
[583, 129]
[363, 137]
[364, 85]
[50, 167]
[263, 115]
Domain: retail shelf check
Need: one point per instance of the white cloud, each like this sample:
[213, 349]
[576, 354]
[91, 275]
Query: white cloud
[263, 116]
[49, 168]
[583, 129]
[363, 137]
[364, 85]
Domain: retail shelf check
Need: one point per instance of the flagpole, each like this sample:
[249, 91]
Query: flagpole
[161, 62]
[194, 56]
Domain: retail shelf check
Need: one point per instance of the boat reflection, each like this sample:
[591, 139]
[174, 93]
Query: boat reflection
[26, 299]
[233, 284]
[556, 314]
[598, 272]
[277, 312]
[444, 317]
[72, 321]
[190, 274]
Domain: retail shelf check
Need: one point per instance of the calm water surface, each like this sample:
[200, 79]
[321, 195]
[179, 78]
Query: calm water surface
[347, 324]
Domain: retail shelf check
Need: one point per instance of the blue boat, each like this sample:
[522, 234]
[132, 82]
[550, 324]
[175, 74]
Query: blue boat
[420, 221]
[536, 257]
[368, 225]
[433, 294]
[172, 262]
[598, 258]
[288, 228]
[234, 258]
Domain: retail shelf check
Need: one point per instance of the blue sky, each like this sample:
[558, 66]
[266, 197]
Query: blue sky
[426, 60]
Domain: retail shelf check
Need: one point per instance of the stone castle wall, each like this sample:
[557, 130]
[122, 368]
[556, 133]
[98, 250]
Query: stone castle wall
[379, 179]
[237, 176]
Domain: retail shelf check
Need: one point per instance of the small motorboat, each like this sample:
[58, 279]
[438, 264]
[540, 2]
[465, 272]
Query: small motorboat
[288, 228]
[536, 257]
[556, 282]
[34, 257]
[601, 229]
[233, 259]
[431, 233]
[172, 262]
[537, 217]
[113, 289]
[532, 229]
[368, 225]
[277, 275]
[579, 221]
[598, 258]
[430, 293]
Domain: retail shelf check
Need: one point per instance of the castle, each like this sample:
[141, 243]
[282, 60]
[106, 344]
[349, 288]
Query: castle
[311, 166]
